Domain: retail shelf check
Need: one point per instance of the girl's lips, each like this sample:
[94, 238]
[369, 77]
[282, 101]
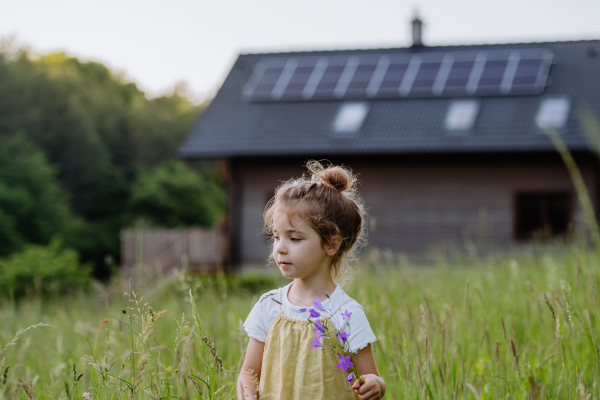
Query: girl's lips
[284, 264]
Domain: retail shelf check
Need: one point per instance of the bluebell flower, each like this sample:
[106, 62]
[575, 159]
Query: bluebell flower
[343, 336]
[319, 326]
[345, 363]
[318, 304]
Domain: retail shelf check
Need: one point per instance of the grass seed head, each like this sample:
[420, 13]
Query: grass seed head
[497, 350]
[550, 307]
[5, 375]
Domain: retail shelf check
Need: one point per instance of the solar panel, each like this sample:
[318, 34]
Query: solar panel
[531, 73]
[433, 74]
[284, 78]
[357, 88]
[410, 75]
[346, 77]
[298, 79]
[491, 76]
[442, 75]
[329, 79]
[458, 77]
[392, 79]
[425, 78]
[527, 72]
[378, 75]
[476, 72]
[266, 82]
[315, 78]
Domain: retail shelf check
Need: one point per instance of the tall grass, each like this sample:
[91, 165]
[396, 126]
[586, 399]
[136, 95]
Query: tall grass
[521, 326]
[511, 327]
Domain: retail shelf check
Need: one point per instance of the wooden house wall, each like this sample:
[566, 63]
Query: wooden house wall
[416, 203]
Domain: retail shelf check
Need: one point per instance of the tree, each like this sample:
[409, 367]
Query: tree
[33, 205]
[97, 131]
[172, 195]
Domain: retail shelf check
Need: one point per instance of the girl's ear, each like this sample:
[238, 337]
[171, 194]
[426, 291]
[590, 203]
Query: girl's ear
[334, 245]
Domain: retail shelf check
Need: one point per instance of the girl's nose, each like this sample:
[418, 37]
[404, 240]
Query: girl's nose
[280, 247]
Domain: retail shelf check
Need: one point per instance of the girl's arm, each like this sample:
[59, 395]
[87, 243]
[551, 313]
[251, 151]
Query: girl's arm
[247, 383]
[374, 386]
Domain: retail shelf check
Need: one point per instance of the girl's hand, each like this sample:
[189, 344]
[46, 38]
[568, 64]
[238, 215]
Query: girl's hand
[371, 389]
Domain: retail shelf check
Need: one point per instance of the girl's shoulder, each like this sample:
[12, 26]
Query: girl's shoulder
[271, 299]
[270, 294]
[262, 315]
[347, 301]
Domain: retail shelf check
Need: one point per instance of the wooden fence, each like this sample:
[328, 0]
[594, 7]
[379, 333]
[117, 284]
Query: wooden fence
[160, 251]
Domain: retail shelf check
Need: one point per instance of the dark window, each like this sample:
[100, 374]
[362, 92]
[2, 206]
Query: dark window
[542, 215]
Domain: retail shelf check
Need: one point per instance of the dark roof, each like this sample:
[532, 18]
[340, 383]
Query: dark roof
[232, 126]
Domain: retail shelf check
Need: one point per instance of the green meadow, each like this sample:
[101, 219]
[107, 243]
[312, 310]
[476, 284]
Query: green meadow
[520, 326]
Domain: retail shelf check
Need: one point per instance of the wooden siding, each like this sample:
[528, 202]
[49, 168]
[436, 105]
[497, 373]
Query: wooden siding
[416, 203]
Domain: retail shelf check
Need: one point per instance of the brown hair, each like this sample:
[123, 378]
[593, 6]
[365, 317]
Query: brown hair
[328, 200]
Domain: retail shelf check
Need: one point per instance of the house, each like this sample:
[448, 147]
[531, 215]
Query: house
[448, 140]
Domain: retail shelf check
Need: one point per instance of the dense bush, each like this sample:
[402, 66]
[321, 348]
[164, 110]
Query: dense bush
[42, 270]
[172, 195]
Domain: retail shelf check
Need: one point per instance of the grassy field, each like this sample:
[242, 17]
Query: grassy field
[504, 327]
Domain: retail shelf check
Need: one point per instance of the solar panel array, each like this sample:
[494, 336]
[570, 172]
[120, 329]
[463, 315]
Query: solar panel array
[368, 76]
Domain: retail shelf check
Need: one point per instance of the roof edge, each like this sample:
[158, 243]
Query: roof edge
[457, 46]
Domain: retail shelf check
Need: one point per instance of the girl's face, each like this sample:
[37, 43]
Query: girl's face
[297, 248]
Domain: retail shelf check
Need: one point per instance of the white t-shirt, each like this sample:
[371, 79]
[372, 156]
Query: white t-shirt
[266, 309]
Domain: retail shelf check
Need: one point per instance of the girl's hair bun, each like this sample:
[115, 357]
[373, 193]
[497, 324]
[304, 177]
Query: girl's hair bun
[338, 178]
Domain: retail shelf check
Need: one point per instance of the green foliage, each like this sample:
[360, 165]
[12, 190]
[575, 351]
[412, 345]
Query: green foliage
[172, 195]
[44, 270]
[158, 126]
[97, 130]
[33, 206]
[445, 332]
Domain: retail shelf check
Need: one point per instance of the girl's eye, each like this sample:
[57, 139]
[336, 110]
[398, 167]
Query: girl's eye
[295, 239]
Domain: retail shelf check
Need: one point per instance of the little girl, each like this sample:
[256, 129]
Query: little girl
[314, 224]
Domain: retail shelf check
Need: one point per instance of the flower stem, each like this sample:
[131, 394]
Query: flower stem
[356, 372]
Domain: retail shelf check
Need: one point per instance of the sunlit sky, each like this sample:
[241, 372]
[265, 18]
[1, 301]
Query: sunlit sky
[158, 43]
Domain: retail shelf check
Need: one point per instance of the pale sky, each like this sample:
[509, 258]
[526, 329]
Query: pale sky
[158, 43]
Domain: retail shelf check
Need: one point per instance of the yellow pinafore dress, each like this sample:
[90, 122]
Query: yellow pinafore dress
[291, 370]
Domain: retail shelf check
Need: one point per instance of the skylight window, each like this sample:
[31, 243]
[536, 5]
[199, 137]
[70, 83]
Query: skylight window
[461, 115]
[350, 117]
[553, 113]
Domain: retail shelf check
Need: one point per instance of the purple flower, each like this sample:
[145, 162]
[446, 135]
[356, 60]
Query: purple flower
[343, 336]
[318, 304]
[345, 363]
[318, 334]
[346, 314]
[319, 326]
[349, 378]
[303, 310]
[316, 343]
[314, 314]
